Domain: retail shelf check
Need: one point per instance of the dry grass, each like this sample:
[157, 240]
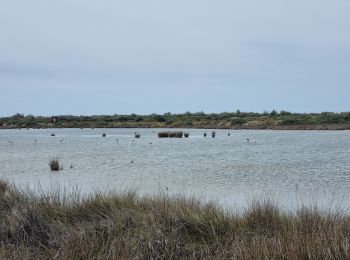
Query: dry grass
[126, 226]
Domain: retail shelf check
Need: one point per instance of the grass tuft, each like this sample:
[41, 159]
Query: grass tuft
[54, 165]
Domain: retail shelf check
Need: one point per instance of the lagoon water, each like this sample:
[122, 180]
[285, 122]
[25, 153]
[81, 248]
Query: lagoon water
[292, 167]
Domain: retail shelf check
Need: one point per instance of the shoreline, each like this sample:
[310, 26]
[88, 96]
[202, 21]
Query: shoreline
[274, 120]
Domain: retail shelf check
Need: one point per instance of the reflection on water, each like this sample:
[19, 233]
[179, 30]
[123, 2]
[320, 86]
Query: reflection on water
[292, 166]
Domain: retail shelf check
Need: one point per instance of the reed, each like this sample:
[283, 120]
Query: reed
[176, 134]
[170, 134]
[163, 134]
[125, 226]
[54, 165]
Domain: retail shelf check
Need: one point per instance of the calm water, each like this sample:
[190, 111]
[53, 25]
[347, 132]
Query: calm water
[293, 167]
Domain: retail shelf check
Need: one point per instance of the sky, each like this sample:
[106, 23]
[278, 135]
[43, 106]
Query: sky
[89, 57]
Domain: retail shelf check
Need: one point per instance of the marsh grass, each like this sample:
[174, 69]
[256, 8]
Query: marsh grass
[54, 165]
[176, 134]
[130, 227]
[171, 134]
[163, 134]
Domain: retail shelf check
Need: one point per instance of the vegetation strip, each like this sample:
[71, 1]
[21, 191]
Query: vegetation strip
[282, 120]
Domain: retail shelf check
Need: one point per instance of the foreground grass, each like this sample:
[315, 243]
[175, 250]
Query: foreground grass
[126, 226]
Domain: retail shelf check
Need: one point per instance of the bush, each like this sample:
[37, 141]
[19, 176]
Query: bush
[188, 122]
[54, 165]
[238, 121]
[158, 118]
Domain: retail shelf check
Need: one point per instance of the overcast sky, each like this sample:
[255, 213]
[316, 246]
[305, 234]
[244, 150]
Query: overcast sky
[107, 56]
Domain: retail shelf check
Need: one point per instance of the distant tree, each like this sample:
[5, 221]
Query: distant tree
[273, 112]
[285, 113]
[201, 113]
[18, 115]
[159, 118]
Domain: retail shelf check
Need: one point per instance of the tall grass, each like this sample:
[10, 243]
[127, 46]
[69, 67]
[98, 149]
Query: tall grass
[127, 226]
